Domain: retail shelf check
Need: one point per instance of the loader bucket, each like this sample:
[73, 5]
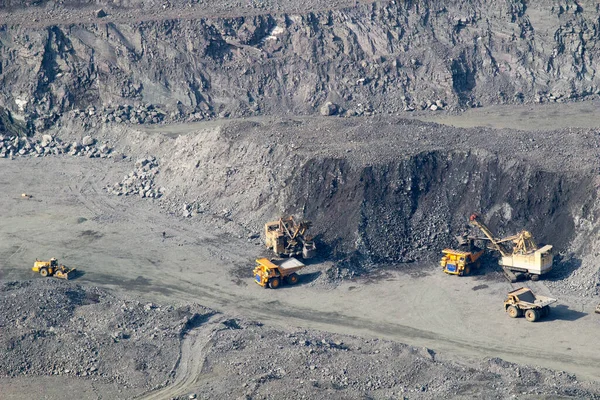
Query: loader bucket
[66, 274]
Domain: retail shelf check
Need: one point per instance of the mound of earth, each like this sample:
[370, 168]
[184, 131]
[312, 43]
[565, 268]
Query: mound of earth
[55, 328]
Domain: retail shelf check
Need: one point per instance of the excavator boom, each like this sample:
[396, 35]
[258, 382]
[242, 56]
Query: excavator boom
[497, 243]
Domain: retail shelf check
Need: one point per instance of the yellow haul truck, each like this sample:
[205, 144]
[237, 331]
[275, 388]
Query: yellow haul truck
[457, 262]
[522, 301]
[52, 268]
[272, 273]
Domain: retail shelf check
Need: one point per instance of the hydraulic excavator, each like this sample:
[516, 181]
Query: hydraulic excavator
[519, 253]
[286, 237]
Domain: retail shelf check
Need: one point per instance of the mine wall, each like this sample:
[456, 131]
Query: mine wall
[407, 210]
[394, 210]
[383, 57]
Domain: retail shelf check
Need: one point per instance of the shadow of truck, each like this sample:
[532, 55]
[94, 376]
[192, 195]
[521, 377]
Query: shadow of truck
[564, 313]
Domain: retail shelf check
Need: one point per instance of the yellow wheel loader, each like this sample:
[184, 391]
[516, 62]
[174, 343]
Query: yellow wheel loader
[52, 268]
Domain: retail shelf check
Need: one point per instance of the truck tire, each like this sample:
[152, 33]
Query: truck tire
[274, 283]
[467, 270]
[535, 277]
[532, 315]
[44, 272]
[513, 311]
[545, 311]
[293, 278]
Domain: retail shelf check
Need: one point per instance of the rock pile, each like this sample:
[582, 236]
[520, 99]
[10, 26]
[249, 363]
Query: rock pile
[13, 146]
[142, 114]
[139, 182]
[51, 327]
[312, 364]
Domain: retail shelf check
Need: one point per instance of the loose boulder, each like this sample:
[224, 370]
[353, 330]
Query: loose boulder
[328, 109]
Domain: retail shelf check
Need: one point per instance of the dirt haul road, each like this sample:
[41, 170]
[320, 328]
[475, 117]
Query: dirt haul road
[117, 242]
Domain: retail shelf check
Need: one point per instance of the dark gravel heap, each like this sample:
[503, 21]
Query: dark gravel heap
[53, 327]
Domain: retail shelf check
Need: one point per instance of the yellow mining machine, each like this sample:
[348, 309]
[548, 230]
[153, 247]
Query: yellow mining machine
[272, 273]
[522, 301]
[52, 268]
[519, 253]
[288, 238]
[461, 262]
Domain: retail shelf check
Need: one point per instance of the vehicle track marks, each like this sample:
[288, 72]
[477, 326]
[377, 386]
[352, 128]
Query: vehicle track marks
[192, 356]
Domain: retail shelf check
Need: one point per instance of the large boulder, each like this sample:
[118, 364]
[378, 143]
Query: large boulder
[88, 141]
[328, 109]
[46, 140]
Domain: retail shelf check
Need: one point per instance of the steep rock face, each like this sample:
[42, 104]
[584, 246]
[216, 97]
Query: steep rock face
[400, 211]
[9, 126]
[386, 208]
[375, 58]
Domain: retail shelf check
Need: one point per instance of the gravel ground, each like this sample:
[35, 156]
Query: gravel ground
[96, 337]
[60, 329]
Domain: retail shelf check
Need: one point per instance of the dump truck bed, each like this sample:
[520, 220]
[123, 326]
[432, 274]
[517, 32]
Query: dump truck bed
[286, 267]
[527, 298]
[289, 264]
[540, 301]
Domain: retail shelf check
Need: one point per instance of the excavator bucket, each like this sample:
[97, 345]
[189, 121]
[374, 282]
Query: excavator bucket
[309, 250]
[462, 240]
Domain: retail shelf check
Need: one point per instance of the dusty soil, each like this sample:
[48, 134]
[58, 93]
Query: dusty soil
[198, 350]
[160, 139]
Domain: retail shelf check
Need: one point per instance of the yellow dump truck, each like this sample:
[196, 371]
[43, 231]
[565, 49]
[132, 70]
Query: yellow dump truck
[272, 273]
[458, 262]
[52, 268]
[522, 301]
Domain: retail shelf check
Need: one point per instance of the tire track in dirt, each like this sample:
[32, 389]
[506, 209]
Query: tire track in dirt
[188, 368]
